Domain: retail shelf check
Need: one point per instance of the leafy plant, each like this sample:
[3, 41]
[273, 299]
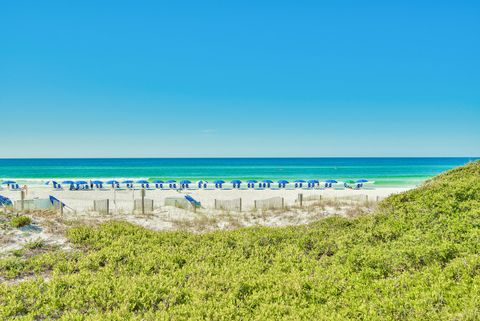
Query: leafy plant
[19, 221]
[415, 258]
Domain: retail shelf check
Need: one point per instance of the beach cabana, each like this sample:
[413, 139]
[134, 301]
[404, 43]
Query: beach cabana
[282, 183]
[359, 183]
[202, 184]
[251, 183]
[97, 183]
[158, 183]
[236, 183]
[9, 184]
[267, 183]
[349, 183]
[172, 183]
[112, 182]
[299, 183]
[54, 184]
[184, 183]
[329, 182]
[143, 183]
[128, 183]
[218, 183]
[68, 182]
[79, 185]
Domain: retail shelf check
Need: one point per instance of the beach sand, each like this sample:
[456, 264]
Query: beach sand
[82, 201]
[49, 226]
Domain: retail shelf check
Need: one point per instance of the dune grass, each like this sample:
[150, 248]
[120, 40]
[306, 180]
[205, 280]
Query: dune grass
[415, 258]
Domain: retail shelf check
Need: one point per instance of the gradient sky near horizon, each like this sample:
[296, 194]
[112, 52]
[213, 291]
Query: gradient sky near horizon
[248, 78]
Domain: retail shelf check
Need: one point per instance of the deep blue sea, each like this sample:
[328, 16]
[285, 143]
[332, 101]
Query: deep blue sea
[384, 171]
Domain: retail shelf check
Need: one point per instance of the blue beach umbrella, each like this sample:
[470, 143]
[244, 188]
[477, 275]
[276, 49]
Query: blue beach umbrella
[128, 181]
[313, 181]
[236, 181]
[282, 181]
[252, 181]
[300, 181]
[268, 181]
[202, 183]
[110, 182]
[362, 181]
[68, 182]
[185, 181]
[81, 182]
[218, 181]
[99, 182]
[171, 181]
[51, 182]
[157, 181]
[331, 181]
[142, 181]
[9, 182]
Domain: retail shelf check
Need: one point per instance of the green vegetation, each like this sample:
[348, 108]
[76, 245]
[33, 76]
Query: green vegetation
[19, 221]
[416, 258]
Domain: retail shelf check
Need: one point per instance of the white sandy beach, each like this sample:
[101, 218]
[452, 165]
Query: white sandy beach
[122, 200]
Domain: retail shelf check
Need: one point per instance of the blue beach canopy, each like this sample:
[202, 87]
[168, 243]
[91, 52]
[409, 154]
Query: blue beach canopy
[299, 181]
[171, 181]
[5, 201]
[157, 182]
[99, 182]
[53, 199]
[68, 182]
[9, 182]
[51, 182]
[362, 181]
[313, 181]
[331, 181]
[236, 181]
[142, 181]
[128, 181]
[251, 181]
[185, 181]
[218, 181]
[81, 182]
[109, 182]
[282, 181]
[268, 181]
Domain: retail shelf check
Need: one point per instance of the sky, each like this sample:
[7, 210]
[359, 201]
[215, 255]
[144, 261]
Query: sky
[239, 78]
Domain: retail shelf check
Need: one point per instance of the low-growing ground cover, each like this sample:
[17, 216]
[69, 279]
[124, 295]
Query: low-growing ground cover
[415, 258]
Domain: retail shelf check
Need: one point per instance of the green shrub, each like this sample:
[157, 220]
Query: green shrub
[19, 221]
[416, 258]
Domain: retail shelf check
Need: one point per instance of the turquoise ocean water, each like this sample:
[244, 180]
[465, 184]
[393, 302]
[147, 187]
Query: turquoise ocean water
[384, 171]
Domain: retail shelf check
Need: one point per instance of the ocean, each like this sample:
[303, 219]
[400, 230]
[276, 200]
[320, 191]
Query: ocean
[384, 171]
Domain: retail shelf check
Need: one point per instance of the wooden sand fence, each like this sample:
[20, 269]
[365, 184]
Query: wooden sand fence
[229, 205]
[269, 203]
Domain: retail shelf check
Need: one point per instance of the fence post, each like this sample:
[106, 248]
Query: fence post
[143, 201]
[283, 202]
[255, 204]
[215, 204]
[377, 198]
[108, 206]
[22, 196]
[240, 209]
[300, 199]
[61, 208]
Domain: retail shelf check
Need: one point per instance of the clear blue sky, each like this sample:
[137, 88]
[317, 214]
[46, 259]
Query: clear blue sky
[250, 78]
